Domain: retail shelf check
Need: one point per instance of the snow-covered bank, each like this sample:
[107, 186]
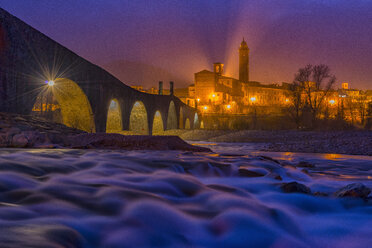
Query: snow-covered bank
[341, 142]
[96, 198]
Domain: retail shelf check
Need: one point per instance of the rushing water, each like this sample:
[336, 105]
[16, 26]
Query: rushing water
[87, 198]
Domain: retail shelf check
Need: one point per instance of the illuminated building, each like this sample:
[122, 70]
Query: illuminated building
[138, 87]
[217, 95]
[216, 90]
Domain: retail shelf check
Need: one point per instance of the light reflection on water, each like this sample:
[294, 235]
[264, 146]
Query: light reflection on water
[251, 148]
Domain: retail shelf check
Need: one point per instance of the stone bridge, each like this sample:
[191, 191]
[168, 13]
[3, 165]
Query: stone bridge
[38, 76]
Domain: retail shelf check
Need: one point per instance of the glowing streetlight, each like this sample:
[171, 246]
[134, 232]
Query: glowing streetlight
[253, 99]
[228, 106]
[205, 108]
[332, 102]
[51, 83]
[214, 95]
[198, 99]
[286, 100]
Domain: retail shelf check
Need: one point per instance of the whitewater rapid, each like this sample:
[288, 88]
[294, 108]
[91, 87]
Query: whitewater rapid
[98, 198]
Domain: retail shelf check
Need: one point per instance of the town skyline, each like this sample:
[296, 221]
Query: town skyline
[172, 41]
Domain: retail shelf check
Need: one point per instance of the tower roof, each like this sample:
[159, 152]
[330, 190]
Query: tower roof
[243, 44]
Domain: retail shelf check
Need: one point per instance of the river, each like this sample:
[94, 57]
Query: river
[100, 198]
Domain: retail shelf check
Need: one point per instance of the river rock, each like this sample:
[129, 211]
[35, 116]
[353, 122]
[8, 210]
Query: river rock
[353, 190]
[295, 187]
[243, 172]
[305, 164]
[12, 131]
[19, 140]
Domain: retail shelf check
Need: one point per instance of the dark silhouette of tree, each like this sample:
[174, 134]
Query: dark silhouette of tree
[369, 117]
[362, 105]
[316, 82]
[296, 103]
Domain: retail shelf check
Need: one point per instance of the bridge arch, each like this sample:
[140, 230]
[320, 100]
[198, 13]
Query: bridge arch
[172, 116]
[157, 124]
[187, 124]
[138, 121]
[63, 101]
[196, 121]
[114, 123]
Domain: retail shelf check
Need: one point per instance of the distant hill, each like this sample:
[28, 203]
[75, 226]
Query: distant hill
[137, 73]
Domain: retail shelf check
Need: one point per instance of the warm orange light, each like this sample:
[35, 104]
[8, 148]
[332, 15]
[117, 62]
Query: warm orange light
[214, 95]
[228, 106]
[253, 99]
[205, 107]
[198, 99]
[286, 100]
[332, 102]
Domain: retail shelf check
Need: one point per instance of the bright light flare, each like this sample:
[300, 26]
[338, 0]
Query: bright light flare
[205, 108]
[228, 106]
[50, 83]
[332, 102]
[253, 99]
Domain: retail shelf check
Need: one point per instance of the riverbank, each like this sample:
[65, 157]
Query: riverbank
[22, 131]
[18, 131]
[341, 142]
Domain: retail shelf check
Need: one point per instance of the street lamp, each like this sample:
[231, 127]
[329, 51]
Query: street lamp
[253, 99]
[50, 82]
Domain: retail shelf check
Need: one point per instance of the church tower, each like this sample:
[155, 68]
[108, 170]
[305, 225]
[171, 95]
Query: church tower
[244, 62]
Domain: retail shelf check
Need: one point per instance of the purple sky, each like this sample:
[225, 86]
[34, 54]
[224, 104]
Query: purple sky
[175, 39]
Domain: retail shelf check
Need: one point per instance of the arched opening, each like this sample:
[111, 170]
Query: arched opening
[63, 101]
[138, 119]
[172, 117]
[187, 124]
[201, 124]
[181, 118]
[114, 122]
[157, 125]
[196, 120]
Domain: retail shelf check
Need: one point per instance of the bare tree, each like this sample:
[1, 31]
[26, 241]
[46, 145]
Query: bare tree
[362, 105]
[296, 103]
[316, 82]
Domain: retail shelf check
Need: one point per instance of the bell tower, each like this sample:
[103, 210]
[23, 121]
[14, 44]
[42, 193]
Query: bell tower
[244, 62]
[218, 68]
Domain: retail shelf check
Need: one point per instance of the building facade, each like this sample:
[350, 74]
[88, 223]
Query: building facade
[215, 94]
